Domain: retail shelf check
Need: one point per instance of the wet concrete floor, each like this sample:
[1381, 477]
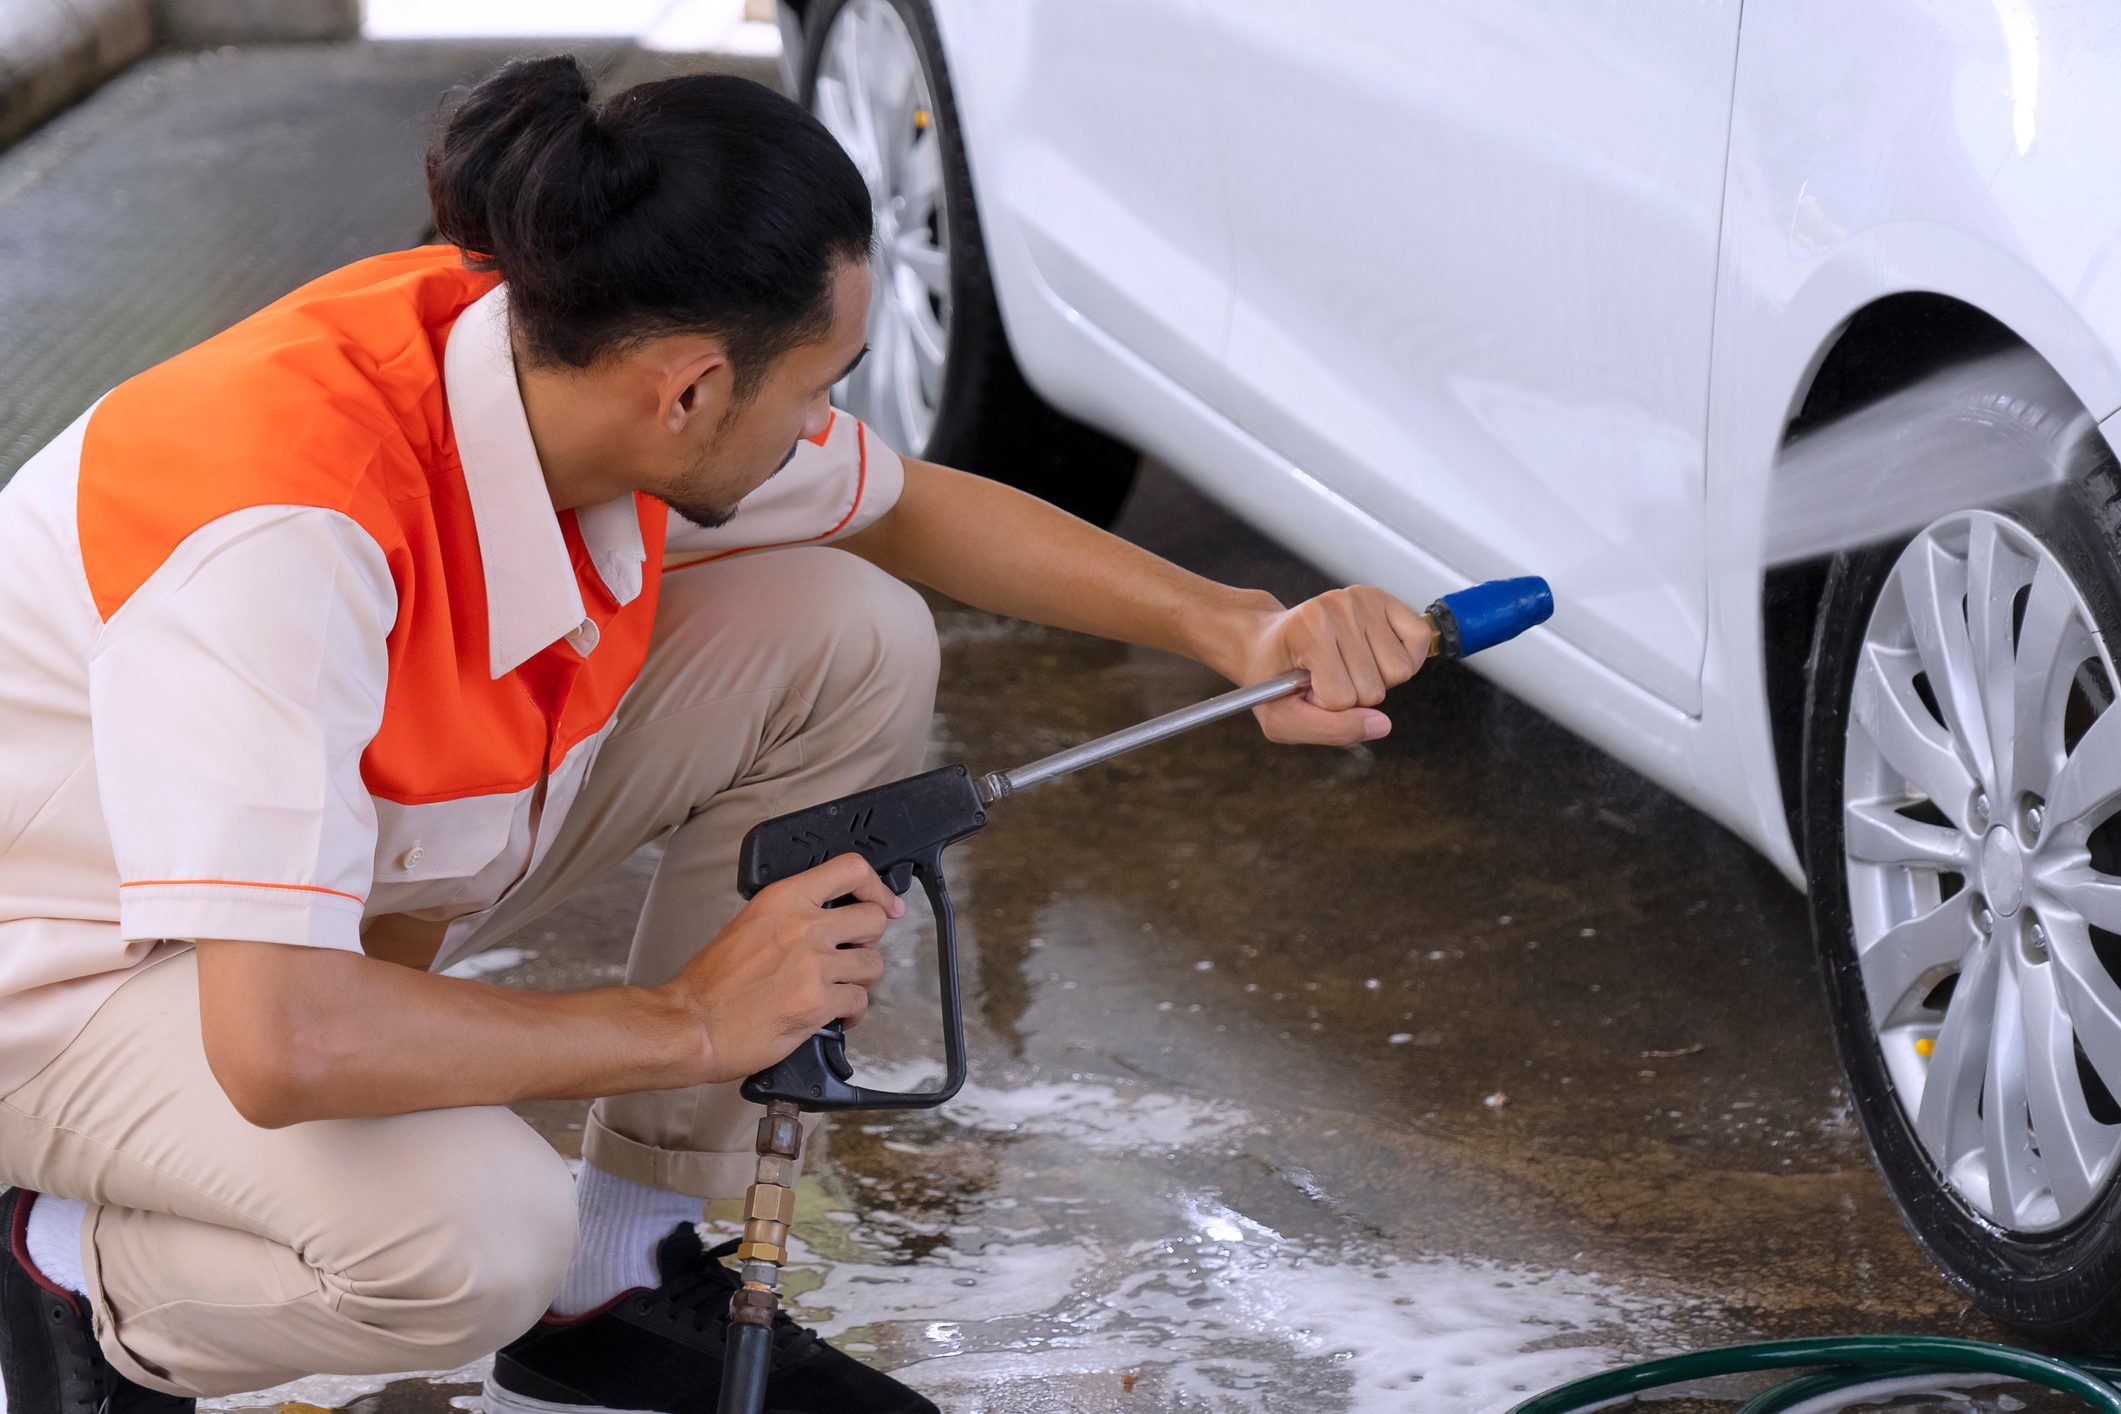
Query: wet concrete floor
[1417, 1076]
[1412, 1077]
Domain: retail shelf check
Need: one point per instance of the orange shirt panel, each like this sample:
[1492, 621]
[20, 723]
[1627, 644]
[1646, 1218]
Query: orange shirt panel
[334, 397]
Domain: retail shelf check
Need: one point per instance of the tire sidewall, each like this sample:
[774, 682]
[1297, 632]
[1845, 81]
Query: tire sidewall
[2059, 1285]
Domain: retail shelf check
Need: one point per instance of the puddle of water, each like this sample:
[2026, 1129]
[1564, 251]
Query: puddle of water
[1167, 1296]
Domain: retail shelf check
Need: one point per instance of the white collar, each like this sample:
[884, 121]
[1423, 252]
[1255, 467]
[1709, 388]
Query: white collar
[532, 600]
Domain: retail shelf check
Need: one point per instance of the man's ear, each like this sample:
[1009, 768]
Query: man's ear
[692, 379]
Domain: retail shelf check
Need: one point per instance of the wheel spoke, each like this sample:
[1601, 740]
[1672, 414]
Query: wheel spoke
[1875, 832]
[2084, 891]
[1933, 583]
[883, 313]
[2006, 1134]
[927, 358]
[2049, 625]
[835, 111]
[2088, 994]
[1946, 1119]
[1994, 573]
[930, 264]
[920, 323]
[854, 61]
[2075, 1148]
[905, 387]
[880, 376]
[1906, 960]
[1886, 706]
[845, 119]
[870, 39]
[2085, 788]
[921, 182]
[897, 96]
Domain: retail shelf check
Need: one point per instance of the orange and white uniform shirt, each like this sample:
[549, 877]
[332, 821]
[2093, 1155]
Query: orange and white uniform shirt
[291, 636]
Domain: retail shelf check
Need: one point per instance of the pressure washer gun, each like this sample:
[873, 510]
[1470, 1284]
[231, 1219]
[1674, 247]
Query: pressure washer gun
[902, 829]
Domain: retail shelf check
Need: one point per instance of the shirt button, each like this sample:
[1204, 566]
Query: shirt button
[411, 858]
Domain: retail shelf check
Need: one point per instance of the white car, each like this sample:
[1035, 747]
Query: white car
[1443, 290]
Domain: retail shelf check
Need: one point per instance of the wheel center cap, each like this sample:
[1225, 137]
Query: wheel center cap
[2003, 871]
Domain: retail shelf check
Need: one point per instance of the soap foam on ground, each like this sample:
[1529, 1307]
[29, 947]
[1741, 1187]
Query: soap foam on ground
[1218, 1311]
[1210, 1320]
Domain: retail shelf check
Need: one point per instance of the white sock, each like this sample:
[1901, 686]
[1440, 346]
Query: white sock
[54, 1240]
[622, 1221]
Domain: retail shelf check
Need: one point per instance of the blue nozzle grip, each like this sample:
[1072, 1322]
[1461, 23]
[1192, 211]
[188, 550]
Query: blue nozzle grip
[1491, 613]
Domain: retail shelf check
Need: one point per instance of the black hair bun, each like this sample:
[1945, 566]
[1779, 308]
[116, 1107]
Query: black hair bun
[524, 168]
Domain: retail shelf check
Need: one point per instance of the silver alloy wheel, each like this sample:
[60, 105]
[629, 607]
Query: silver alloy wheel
[872, 95]
[1982, 754]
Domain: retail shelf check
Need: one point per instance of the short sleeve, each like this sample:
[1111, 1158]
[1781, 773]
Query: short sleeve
[832, 487]
[230, 700]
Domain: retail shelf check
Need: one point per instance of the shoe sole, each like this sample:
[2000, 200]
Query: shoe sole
[506, 1401]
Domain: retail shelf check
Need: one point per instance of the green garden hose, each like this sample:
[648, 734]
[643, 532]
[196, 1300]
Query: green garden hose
[1843, 1365]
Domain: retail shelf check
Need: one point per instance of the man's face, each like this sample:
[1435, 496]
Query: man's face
[724, 457]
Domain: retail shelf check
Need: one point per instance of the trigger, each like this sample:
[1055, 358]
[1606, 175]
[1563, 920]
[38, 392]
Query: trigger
[898, 878]
[833, 1043]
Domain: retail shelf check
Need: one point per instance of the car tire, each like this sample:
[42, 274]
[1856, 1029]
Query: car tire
[985, 417]
[2052, 1274]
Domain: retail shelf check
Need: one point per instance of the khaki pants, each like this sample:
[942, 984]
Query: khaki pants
[222, 1257]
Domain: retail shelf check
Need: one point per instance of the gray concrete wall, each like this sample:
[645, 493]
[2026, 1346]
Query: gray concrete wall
[54, 51]
[195, 24]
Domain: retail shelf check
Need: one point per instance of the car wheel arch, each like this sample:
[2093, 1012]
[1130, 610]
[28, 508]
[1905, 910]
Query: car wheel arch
[1879, 349]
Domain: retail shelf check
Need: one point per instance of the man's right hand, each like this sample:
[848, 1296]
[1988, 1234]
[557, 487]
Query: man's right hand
[786, 965]
[300, 1033]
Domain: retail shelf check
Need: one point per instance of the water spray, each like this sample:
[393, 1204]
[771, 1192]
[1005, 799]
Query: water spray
[1980, 433]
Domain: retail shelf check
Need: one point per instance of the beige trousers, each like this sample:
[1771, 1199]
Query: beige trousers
[222, 1257]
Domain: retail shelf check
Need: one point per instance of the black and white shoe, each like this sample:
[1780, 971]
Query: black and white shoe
[660, 1352]
[48, 1353]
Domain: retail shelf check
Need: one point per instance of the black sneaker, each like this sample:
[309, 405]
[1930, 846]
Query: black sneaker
[660, 1352]
[48, 1352]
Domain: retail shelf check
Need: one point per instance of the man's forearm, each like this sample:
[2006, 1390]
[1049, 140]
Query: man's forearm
[995, 548]
[299, 1033]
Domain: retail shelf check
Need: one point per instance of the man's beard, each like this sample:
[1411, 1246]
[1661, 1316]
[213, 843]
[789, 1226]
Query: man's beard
[703, 514]
[709, 515]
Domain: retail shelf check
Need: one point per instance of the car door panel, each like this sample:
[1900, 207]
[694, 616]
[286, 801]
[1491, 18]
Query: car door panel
[1473, 260]
[1100, 153]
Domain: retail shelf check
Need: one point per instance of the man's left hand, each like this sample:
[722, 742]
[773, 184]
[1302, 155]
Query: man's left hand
[1356, 643]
